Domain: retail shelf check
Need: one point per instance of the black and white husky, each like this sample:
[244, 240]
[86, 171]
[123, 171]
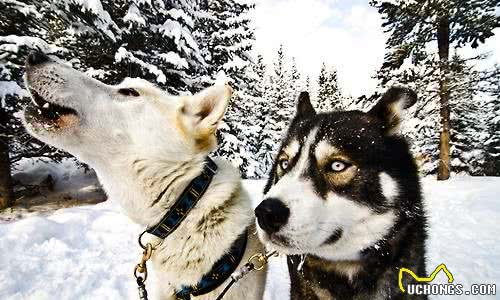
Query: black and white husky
[344, 203]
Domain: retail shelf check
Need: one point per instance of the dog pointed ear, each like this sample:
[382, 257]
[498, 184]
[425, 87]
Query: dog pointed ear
[304, 106]
[202, 112]
[389, 109]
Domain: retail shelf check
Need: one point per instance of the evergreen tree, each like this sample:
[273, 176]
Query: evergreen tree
[307, 84]
[107, 39]
[156, 42]
[452, 23]
[492, 166]
[228, 37]
[468, 130]
[259, 69]
[295, 86]
[23, 28]
[280, 96]
[230, 40]
[278, 109]
[469, 100]
[361, 103]
[329, 96]
[256, 116]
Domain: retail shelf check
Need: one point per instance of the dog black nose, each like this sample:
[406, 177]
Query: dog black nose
[36, 58]
[271, 215]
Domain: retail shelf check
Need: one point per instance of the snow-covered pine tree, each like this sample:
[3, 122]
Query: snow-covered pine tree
[254, 116]
[156, 43]
[469, 132]
[115, 39]
[23, 29]
[492, 144]
[322, 101]
[469, 101]
[278, 108]
[361, 103]
[307, 84]
[279, 93]
[294, 84]
[414, 25]
[229, 37]
[260, 114]
[107, 39]
[329, 96]
[259, 69]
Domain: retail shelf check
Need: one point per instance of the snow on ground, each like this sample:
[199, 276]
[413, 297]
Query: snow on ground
[464, 215]
[72, 186]
[89, 252]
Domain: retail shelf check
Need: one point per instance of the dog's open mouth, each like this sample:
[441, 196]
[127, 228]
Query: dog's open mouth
[49, 115]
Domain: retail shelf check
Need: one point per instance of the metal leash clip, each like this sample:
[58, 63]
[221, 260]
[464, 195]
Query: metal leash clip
[141, 271]
[256, 262]
[259, 260]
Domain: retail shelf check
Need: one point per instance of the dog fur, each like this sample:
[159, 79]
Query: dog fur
[343, 201]
[141, 141]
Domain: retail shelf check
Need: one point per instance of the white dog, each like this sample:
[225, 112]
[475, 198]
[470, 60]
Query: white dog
[147, 147]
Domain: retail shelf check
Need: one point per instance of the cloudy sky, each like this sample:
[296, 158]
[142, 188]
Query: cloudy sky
[344, 33]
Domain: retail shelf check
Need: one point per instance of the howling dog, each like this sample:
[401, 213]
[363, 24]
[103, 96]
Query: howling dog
[343, 201]
[150, 152]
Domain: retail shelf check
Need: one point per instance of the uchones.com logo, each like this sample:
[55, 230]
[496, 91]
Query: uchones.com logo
[424, 285]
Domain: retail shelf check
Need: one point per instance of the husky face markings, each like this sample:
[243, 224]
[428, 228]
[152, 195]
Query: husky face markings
[344, 192]
[329, 174]
[389, 187]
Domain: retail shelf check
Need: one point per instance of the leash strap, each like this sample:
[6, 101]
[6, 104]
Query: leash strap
[188, 199]
[255, 263]
[220, 271]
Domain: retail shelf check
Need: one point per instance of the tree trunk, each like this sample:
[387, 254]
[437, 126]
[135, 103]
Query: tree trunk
[443, 38]
[6, 193]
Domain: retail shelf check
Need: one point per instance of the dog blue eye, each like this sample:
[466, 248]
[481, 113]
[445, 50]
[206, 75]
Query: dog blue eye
[284, 164]
[338, 166]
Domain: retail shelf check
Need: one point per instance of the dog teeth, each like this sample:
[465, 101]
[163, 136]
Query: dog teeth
[46, 105]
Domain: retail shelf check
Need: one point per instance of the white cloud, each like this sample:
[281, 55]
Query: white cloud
[346, 36]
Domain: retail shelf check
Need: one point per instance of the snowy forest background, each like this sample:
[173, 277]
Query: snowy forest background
[183, 45]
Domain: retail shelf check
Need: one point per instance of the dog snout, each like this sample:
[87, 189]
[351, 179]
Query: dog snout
[272, 214]
[37, 58]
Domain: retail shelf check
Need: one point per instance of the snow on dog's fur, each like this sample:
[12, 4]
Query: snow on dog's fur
[142, 141]
[344, 192]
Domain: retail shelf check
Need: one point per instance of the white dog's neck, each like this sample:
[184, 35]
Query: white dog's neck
[219, 217]
[137, 182]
